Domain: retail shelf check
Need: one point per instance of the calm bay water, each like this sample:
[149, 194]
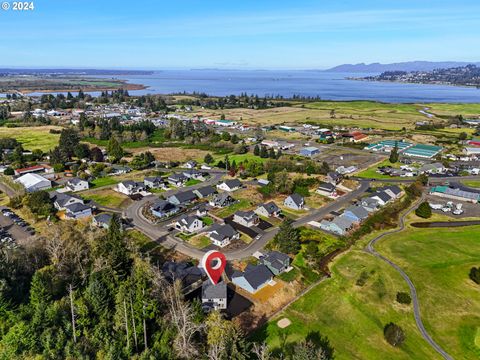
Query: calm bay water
[329, 86]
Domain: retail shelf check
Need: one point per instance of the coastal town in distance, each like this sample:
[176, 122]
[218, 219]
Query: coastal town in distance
[261, 191]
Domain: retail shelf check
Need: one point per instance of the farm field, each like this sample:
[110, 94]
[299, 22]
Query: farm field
[352, 316]
[449, 300]
[34, 137]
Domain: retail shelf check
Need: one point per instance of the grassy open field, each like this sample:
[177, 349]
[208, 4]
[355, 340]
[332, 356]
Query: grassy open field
[352, 316]
[347, 113]
[472, 183]
[34, 137]
[355, 113]
[108, 198]
[438, 263]
[371, 172]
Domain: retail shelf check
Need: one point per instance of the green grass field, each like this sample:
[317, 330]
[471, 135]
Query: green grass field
[472, 183]
[192, 182]
[108, 198]
[352, 317]
[229, 210]
[371, 172]
[438, 262]
[35, 137]
[104, 181]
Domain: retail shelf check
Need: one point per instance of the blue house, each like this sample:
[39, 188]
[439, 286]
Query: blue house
[356, 213]
[339, 225]
[253, 278]
[163, 208]
[309, 151]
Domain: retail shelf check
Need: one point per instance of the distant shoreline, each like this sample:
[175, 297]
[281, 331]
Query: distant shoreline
[125, 86]
[414, 83]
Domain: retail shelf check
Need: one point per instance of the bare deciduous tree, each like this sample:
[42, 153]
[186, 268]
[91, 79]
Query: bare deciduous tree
[182, 318]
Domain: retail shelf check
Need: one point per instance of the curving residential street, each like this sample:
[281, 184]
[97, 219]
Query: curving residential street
[413, 292]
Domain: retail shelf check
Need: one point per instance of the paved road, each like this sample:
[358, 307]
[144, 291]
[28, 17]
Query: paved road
[431, 179]
[158, 233]
[416, 307]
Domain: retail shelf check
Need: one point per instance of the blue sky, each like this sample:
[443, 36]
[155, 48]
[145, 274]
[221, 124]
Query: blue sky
[238, 34]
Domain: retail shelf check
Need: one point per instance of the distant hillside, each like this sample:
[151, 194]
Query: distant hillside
[401, 66]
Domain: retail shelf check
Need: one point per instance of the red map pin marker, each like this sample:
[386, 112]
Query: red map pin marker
[214, 263]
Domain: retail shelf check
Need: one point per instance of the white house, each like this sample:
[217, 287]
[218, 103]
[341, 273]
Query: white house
[214, 296]
[222, 235]
[246, 218]
[327, 189]
[34, 182]
[62, 200]
[230, 185]
[268, 209]
[189, 224]
[129, 187]
[77, 211]
[77, 184]
[295, 202]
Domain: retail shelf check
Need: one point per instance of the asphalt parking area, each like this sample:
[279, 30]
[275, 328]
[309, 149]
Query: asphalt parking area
[17, 232]
[264, 225]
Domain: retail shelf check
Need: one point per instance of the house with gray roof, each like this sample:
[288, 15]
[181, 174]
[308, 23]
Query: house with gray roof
[339, 225]
[230, 185]
[382, 197]
[295, 202]
[77, 184]
[276, 262]
[214, 296]
[222, 200]
[102, 220]
[62, 200]
[182, 198]
[189, 224]
[163, 209]
[326, 189]
[77, 211]
[177, 180]
[222, 234]
[394, 191]
[268, 209]
[130, 187]
[246, 218]
[205, 191]
[155, 182]
[334, 177]
[370, 204]
[254, 278]
[356, 212]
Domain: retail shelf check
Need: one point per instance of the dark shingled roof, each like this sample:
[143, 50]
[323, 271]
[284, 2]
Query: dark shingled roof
[210, 291]
[256, 275]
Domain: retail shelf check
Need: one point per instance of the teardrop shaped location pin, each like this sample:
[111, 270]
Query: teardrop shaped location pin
[214, 263]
